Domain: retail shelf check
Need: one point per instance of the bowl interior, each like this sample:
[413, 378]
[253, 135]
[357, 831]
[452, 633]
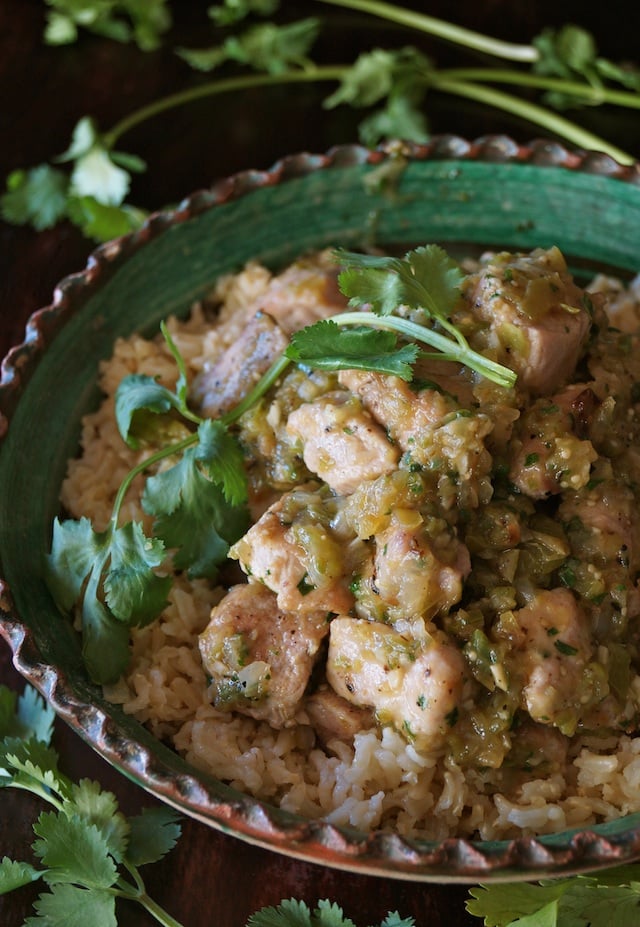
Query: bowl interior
[462, 203]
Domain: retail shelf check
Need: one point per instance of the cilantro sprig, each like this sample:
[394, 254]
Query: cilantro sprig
[196, 487]
[559, 69]
[115, 576]
[87, 852]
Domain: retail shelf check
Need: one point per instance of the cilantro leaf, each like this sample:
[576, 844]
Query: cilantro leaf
[289, 913]
[328, 347]
[366, 82]
[223, 460]
[105, 640]
[264, 47]
[14, 874]
[32, 765]
[399, 118]
[73, 850]
[397, 78]
[25, 716]
[120, 20]
[122, 560]
[153, 833]
[100, 808]
[75, 548]
[501, 904]
[330, 914]
[37, 197]
[193, 516]
[101, 222]
[133, 591]
[232, 11]
[35, 716]
[69, 906]
[393, 919]
[140, 392]
[426, 278]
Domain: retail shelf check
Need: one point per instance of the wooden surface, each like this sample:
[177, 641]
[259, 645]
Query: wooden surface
[209, 878]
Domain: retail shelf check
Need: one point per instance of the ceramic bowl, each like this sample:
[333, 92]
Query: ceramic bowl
[487, 193]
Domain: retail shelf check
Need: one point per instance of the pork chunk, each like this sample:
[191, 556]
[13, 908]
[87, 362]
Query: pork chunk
[535, 316]
[334, 718]
[550, 451]
[295, 554]
[221, 386]
[341, 443]
[554, 649]
[259, 657]
[304, 293]
[430, 426]
[417, 575]
[415, 685]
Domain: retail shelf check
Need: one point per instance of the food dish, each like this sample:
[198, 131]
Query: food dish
[404, 213]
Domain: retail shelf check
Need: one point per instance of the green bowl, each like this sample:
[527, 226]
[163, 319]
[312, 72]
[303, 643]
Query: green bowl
[463, 195]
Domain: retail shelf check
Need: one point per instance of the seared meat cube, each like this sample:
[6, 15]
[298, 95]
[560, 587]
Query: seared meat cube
[536, 318]
[222, 385]
[334, 718]
[259, 657]
[433, 430]
[553, 649]
[547, 456]
[341, 443]
[415, 575]
[293, 550]
[414, 684]
[304, 293]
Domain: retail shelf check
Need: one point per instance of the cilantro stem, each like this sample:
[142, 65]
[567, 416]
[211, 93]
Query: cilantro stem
[139, 895]
[218, 86]
[590, 94]
[531, 112]
[265, 382]
[154, 458]
[442, 29]
[163, 917]
[460, 351]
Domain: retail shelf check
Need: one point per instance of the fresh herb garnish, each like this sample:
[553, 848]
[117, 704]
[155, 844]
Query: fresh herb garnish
[608, 897]
[563, 67]
[87, 852]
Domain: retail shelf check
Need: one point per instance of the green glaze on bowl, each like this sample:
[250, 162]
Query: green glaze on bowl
[462, 195]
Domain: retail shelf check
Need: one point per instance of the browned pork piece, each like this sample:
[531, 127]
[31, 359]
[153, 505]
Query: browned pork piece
[553, 651]
[334, 718]
[259, 657]
[535, 318]
[431, 427]
[549, 450]
[413, 683]
[304, 293]
[413, 574]
[340, 442]
[224, 383]
[294, 552]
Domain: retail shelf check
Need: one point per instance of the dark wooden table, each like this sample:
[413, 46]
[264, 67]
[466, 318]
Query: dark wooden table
[209, 878]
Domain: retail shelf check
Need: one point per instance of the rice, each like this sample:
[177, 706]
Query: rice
[381, 780]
